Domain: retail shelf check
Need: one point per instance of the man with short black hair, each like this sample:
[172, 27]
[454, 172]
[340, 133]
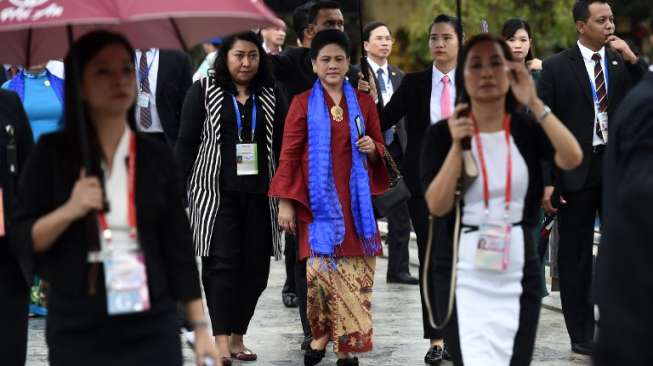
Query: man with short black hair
[583, 86]
[377, 41]
[292, 68]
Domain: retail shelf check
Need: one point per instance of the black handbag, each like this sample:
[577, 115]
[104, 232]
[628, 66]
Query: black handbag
[396, 194]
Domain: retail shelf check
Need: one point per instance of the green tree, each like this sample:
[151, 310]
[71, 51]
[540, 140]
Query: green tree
[551, 23]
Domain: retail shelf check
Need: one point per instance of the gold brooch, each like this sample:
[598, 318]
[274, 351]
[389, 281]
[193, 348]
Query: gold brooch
[337, 113]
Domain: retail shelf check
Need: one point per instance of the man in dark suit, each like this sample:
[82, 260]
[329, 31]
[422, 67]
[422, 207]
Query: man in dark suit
[583, 86]
[164, 76]
[625, 291]
[424, 98]
[15, 255]
[387, 78]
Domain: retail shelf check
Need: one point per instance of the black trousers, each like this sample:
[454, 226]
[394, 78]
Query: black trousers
[14, 299]
[398, 239]
[290, 257]
[419, 216]
[302, 295]
[575, 260]
[301, 285]
[236, 271]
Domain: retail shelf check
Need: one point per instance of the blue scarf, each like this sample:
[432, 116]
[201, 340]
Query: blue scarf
[17, 84]
[327, 231]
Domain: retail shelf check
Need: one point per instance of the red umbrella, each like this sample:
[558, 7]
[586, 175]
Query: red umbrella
[34, 31]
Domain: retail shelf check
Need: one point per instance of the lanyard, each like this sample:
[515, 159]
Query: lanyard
[481, 158]
[131, 205]
[239, 117]
[595, 96]
[143, 75]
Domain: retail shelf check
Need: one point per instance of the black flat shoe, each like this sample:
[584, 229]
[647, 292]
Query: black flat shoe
[434, 356]
[348, 362]
[306, 343]
[585, 348]
[289, 300]
[445, 353]
[402, 278]
[313, 357]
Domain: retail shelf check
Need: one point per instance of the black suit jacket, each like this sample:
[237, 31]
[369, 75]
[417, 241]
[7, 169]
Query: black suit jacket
[15, 255]
[396, 77]
[624, 286]
[3, 75]
[412, 101]
[163, 228]
[565, 86]
[174, 78]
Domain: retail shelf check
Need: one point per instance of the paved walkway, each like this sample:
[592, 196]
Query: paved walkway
[275, 331]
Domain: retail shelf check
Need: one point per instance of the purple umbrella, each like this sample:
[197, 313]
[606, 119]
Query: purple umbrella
[34, 31]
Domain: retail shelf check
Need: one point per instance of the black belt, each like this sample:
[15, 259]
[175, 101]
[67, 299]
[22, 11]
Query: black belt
[598, 149]
[471, 228]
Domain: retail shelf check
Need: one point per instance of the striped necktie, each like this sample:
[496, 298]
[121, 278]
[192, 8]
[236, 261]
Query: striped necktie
[144, 76]
[601, 92]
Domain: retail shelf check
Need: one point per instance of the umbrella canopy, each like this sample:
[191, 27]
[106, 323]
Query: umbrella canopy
[34, 31]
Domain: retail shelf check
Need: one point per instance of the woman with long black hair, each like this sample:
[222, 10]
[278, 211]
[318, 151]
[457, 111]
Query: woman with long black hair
[497, 293]
[517, 33]
[112, 300]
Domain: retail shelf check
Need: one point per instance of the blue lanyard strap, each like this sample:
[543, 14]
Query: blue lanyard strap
[239, 117]
[146, 74]
[595, 96]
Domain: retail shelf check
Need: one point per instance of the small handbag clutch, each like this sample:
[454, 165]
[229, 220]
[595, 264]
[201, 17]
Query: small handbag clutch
[396, 194]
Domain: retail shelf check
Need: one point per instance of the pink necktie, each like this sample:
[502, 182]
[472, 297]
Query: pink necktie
[445, 98]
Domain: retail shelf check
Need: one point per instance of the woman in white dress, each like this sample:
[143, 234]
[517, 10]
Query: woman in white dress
[497, 294]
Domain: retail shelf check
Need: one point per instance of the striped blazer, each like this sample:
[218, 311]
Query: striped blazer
[203, 182]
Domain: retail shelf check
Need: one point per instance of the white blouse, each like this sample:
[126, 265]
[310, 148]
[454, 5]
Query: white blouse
[495, 154]
[116, 187]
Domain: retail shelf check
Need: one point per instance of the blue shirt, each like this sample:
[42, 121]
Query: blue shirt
[43, 108]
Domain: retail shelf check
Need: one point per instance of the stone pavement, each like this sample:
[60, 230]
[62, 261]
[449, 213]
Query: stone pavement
[275, 333]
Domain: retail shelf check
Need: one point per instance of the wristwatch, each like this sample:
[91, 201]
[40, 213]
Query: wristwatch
[544, 114]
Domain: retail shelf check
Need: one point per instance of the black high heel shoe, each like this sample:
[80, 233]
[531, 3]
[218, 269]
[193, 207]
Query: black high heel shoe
[313, 357]
[348, 362]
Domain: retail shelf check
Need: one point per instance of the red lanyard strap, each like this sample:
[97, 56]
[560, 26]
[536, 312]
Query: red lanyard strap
[481, 158]
[131, 201]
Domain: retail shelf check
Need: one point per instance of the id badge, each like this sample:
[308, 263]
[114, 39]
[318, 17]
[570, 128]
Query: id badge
[246, 159]
[603, 124]
[126, 283]
[143, 100]
[2, 214]
[493, 247]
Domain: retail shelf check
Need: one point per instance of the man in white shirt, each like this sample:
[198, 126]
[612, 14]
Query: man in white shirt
[584, 86]
[163, 78]
[273, 39]
[378, 46]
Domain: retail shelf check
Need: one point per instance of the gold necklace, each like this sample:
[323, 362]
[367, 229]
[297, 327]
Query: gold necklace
[337, 113]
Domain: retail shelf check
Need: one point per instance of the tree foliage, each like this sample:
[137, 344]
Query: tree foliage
[551, 23]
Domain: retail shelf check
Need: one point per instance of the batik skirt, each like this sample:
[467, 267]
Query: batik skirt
[340, 301]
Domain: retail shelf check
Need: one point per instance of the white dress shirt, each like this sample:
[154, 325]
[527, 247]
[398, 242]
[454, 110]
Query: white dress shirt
[153, 64]
[589, 65]
[436, 92]
[389, 89]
